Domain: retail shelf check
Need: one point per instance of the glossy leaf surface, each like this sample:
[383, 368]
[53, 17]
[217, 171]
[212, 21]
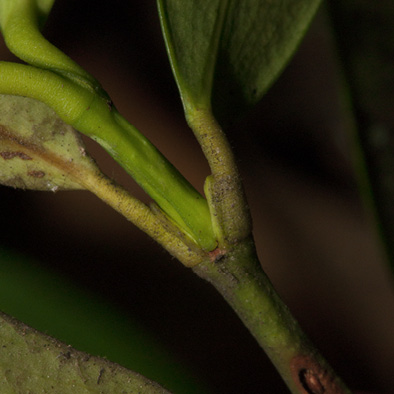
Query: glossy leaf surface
[231, 51]
[37, 149]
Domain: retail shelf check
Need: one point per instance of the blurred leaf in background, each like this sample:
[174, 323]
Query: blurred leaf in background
[365, 37]
[31, 360]
[55, 306]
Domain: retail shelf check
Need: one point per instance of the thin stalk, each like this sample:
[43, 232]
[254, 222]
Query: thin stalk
[194, 75]
[150, 169]
[224, 190]
[80, 173]
[20, 27]
[234, 270]
[237, 274]
[152, 221]
[94, 116]
[240, 279]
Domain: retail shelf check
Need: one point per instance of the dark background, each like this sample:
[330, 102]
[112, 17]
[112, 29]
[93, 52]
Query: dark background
[314, 239]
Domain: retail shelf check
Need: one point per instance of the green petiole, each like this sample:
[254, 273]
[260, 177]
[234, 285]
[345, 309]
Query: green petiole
[158, 177]
[19, 22]
[80, 101]
[93, 116]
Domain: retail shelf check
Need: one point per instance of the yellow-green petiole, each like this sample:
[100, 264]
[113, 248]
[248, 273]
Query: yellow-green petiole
[80, 101]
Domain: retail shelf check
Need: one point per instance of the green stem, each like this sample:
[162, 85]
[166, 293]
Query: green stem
[20, 28]
[81, 102]
[224, 190]
[93, 115]
[159, 178]
[239, 277]
[150, 220]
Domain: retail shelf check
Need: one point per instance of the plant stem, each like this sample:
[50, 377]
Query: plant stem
[237, 274]
[20, 27]
[151, 170]
[224, 190]
[94, 116]
[240, 279]
[153, 221]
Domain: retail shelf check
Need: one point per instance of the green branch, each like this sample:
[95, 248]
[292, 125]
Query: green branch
[91, 115]
[80, 101]
[224, 190]
[150, 220]
[240, 279]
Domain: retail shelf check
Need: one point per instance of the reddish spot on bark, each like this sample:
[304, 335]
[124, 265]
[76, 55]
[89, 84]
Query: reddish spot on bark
[216, 254]
[311, 382]
[312, 378]
[36, 174]
[11, 155]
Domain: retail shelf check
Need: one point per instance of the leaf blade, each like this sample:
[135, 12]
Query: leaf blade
[86, 321]
[257, 43]
[245, 43]
[192, 59]
[366, 55]
[38, 151]
[32, 360]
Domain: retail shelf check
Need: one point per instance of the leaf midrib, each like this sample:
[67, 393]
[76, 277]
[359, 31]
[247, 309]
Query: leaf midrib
[214, 48]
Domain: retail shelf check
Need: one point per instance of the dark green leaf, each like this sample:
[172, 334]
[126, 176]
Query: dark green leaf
[231, 51]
